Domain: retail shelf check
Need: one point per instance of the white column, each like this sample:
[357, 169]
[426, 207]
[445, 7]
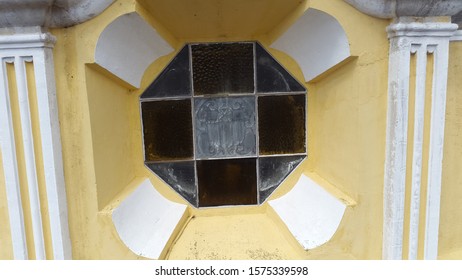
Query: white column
[406, 37]
[8, 148]
[18, 46]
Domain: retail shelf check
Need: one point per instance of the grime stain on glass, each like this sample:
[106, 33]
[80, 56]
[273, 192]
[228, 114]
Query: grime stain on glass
[224, 124]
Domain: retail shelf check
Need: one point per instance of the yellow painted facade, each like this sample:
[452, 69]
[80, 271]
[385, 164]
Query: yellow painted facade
[450, 225]
[102, 140]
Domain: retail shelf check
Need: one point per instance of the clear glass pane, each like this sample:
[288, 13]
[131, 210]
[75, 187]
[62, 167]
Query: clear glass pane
[273, 170]
[281, 124]
[181, 176]
[175, 79]
[227, 182]
[272, 77]
[225, 127]
[223, 68]
[167, 129]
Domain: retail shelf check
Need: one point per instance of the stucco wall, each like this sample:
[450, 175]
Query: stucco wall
[103, 158]
[450, 243]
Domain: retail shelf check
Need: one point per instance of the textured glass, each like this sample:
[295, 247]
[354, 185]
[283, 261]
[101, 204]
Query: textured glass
[175, 79]
[223, 68]
[281, 124]
[273, 170]
[167, 129]
[208, 136]
[272, 77]
[181, 176]
[225, 127]
[227, 182]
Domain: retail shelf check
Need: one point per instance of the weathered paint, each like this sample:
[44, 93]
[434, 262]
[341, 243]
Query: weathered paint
[346, 143]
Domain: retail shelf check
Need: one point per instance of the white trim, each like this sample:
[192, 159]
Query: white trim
[324, 43]
[66, 13]
[25, 41]
[49, 13]
[7, 145]
[396, 144]
[310, 213]
[29, 156]
[52, 154]
[126, 53]
[37, 47]
[423, 30]
[421, 76]
[146, 221]
[406, 38]
[413, 8]
[435, 164]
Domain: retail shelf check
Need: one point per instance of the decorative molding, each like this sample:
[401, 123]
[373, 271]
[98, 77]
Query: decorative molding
[29, 155]
[146, 221]
[311, 214]
[8, 148]
[127, 54]
[324, 43]
[65, 13]
[34, 47]
[50, 13]
[23, 38]
[402, 8]
[421, 39]
[407, 27]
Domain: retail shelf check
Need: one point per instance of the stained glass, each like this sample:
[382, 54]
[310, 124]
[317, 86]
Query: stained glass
[272, 77]
[167, 129]
[272, 171]
[227, 182]
[181, 176]
[223, 68]
[175, 79]
[281, 124]
[225, 127]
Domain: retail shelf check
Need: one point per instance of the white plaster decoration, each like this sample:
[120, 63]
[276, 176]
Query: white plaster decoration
[401, 8]
[49, 13]
[311, 214]
[29, 155]
[52, 154]
[323, 45]
[36, 46]
[126, 53]
[65, 13]
[421, 76]
[421, 38]
[145, 220]
[8, 148]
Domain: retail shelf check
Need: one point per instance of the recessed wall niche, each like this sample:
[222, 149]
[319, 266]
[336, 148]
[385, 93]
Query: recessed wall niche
[224, 124]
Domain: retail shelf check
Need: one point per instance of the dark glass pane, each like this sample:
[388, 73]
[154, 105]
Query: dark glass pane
[223, 68]
[225, 127]
[180, 176]
[167, 128]
[175, 79]
[273, 170]
[227, 182]
[281, 124]
[271, 76]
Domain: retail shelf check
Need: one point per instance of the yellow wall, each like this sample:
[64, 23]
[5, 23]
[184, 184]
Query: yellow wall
[450, 243]
[6, 250]
[103, 159]
[347, 124]
[83, 153]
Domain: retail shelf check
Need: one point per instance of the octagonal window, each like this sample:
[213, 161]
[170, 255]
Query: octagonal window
[224, 124]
